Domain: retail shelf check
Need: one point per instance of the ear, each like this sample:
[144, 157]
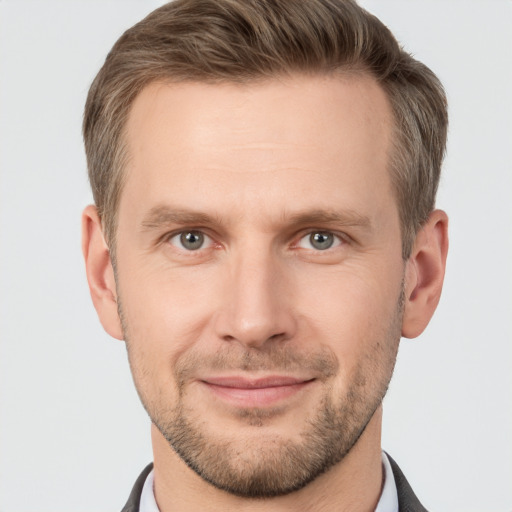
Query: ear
[100, 274]
[424, 274]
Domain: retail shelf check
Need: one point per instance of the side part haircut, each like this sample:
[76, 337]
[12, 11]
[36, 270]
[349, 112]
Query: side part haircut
[240, 41]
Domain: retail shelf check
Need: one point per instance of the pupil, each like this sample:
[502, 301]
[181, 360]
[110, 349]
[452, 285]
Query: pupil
[192, 240]
[321, 241]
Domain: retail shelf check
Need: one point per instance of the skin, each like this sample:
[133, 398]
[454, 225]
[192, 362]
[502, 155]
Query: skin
[258, 169]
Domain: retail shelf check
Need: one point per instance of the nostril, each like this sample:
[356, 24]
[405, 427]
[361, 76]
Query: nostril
[276, 337]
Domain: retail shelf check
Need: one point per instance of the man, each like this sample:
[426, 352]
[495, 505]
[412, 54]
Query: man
[264, 232]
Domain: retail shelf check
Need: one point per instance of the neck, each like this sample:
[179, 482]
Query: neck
[354, 484]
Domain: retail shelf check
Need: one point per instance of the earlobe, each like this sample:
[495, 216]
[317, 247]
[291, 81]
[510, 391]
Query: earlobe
[424, 276]
[100, 274]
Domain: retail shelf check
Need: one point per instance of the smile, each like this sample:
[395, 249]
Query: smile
[262, 392]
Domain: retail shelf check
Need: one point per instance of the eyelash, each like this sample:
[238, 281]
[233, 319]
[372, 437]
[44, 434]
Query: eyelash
[338, 240]
[177, 235]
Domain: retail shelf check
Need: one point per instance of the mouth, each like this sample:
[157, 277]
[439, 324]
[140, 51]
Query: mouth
[261, 392]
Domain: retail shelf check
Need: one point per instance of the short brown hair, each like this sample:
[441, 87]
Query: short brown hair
[244, 40]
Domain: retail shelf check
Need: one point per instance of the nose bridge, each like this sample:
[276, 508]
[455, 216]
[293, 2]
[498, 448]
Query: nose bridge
[255, 306]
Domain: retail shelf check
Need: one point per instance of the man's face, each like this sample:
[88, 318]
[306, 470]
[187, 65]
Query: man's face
[259, 272]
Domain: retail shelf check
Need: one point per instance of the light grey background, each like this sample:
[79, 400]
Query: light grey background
[73, 436]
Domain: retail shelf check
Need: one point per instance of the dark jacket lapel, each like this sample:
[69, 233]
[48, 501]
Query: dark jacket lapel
[132, 505]
[407, 500]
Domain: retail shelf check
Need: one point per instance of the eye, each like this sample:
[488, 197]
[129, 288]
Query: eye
[319, 241]
[190, 240]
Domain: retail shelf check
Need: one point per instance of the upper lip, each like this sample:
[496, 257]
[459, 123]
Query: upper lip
[255, 383]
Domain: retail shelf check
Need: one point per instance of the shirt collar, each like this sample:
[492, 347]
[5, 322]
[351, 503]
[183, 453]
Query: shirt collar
[147, 498]
[388, 501]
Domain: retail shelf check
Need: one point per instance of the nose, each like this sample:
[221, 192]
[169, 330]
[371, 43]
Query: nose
[256, 306]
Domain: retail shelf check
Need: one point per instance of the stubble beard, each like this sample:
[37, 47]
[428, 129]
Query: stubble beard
[263, 466]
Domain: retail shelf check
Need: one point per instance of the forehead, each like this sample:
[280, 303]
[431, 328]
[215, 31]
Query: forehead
[277, 110]
[308, 134]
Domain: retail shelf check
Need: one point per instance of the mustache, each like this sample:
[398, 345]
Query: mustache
[321, 362]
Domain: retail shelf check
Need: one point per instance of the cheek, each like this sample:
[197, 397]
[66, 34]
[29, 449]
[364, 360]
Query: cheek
[166, 312]
[357, 316]
[343, 301]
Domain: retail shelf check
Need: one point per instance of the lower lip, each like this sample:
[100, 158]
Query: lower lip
[256, 397]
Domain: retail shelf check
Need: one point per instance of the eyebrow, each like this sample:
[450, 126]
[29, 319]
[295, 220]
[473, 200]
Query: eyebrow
[342, 218]
[160, 216]
[163, 215]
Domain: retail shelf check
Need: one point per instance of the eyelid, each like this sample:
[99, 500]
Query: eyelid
[208, 240]
[340, 239]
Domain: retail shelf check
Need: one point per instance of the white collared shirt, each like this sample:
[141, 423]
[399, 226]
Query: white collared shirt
[147, 498]
[388, 501]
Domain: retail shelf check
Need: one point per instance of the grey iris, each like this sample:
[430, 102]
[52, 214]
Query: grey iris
[321, 241]
[192, 240]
